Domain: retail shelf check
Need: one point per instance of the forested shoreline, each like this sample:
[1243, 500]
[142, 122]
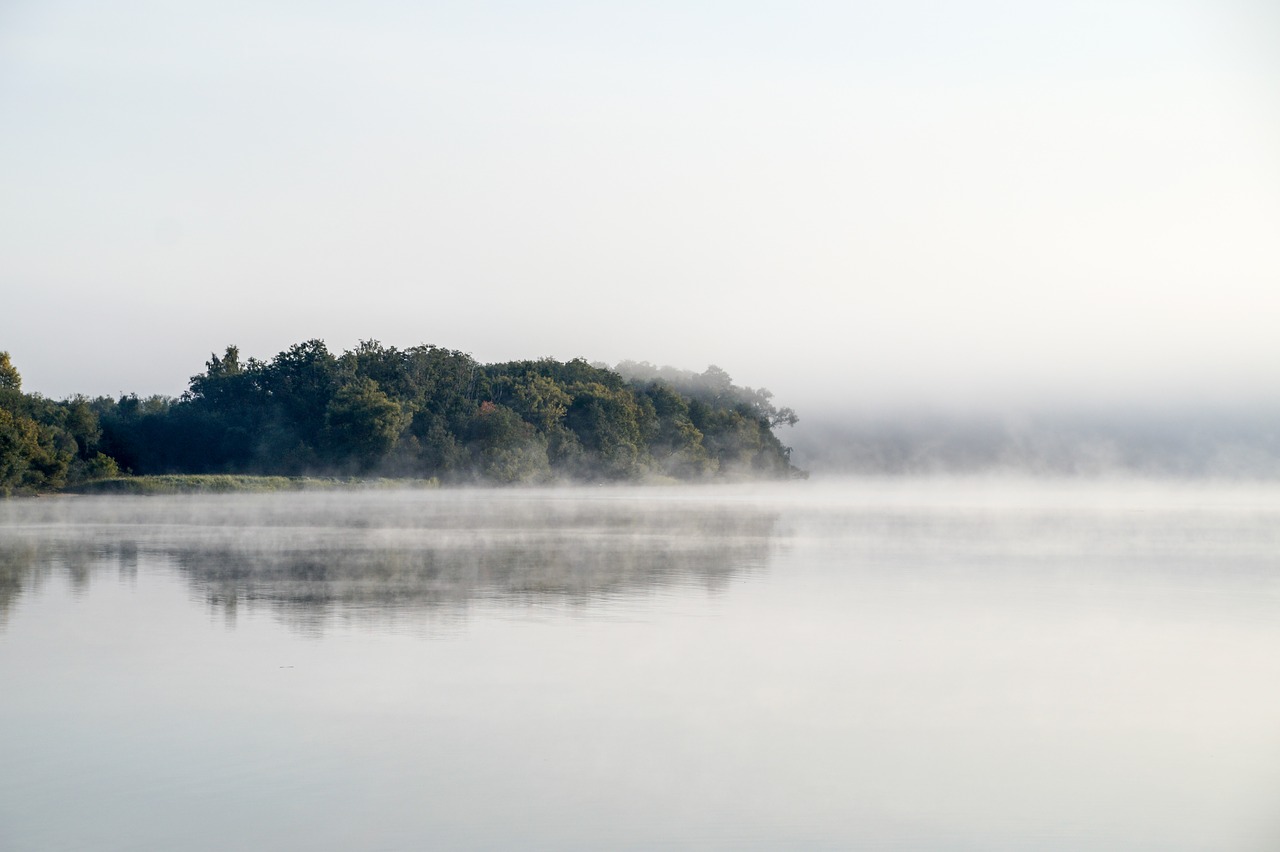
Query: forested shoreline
[420, 412]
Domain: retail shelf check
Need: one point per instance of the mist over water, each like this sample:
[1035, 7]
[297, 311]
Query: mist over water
[1184, 441]
[942, 663]
[397, 556]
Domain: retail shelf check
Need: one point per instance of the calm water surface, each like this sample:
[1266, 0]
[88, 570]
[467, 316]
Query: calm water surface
[907, 665]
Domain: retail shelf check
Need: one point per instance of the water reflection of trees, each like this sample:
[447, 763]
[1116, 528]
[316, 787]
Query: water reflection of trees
[380, 558]
[17, 570]
[26, 563]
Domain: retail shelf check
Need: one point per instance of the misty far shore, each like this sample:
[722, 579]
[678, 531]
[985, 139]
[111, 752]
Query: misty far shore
[379, 416]
[1229, 443]
[424, 413]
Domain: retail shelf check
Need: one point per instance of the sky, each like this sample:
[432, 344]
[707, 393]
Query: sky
[856, 205]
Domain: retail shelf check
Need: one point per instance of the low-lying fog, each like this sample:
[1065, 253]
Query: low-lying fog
[387, 553]
[1170, 440]
[940, 664]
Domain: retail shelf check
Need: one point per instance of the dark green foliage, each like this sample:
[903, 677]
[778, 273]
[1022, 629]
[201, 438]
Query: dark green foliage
[507, 448]
[157, 434]
[43, 444]
[301, 382]
[611, 425]
[362, 424]
[674, 439]
[381, 411]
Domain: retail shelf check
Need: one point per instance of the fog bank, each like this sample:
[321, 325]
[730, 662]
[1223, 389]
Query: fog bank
[1216, 442]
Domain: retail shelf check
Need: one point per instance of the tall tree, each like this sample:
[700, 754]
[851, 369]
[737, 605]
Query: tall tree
[362, 424]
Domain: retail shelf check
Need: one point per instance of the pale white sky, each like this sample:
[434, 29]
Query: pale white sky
[853, 204]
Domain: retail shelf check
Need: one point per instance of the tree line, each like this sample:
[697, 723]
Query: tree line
[423, 411]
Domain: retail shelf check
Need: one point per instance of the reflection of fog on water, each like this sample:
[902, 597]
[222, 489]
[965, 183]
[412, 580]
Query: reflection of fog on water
[383, 554]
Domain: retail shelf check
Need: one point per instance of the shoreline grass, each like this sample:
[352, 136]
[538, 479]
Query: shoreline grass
[236, 483]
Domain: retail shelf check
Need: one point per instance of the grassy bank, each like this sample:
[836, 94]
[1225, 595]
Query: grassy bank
[230, 483]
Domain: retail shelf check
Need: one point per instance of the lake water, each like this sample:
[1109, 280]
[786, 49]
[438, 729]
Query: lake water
[881, 664]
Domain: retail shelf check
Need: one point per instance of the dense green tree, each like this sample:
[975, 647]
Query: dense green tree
[537, 398]
[156, 434]
[362, 424]
[675, 443]
[301, 382]
[429, 411]
[610, 424]
[437, 450]
[36, 450]
[507, 448]
[20, 452]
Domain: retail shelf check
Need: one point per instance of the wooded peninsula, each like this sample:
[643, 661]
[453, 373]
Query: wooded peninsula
[423, 412]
